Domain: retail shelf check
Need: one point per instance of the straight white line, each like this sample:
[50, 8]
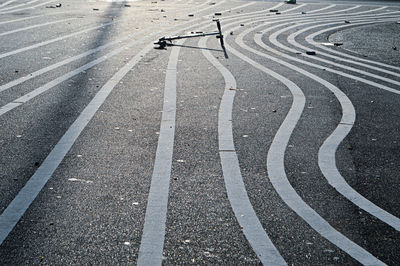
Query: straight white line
[15, 210]
[151, 245]
[64, 62]
[27, 48]
[38, 91]
[7, 2]
[31, 17]
[237, 194]
[32, 7]
[34, 26]
[16, 6]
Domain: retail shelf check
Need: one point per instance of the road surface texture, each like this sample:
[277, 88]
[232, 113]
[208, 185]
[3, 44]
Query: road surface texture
[281, 150]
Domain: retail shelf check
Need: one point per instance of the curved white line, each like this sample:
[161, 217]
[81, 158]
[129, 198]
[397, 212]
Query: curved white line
[319, 10]
[291, 39]
[237, 194]
[293, 42]
[274, 41]
[276, 170]
[310, 39]
[330, 172]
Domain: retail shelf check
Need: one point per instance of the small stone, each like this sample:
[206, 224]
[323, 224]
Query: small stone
[311, 52]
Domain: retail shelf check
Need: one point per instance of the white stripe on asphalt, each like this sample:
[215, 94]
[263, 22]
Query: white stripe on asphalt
[275, 42]
[31, 17]
[7, 2]
[321, 9]
[31, 7]
[64, 62]
[292, 41]
[151, 245]
[16, 6]
[27, 48]
[310, 39]
[38, 91]
[34, 26]
[328, 166]
[275, 162]
[15, 210]
[237, 194]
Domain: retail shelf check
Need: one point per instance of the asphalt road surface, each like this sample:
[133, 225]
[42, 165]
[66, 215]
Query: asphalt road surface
[281, 147]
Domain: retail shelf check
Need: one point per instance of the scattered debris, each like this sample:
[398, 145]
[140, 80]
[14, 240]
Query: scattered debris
[311, 52]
